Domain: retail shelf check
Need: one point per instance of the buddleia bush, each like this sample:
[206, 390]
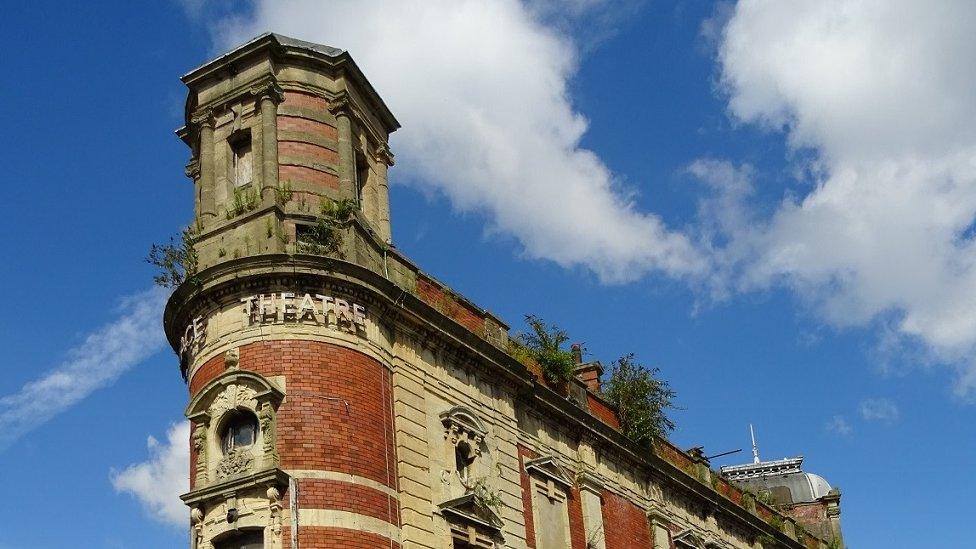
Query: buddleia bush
[641, 400]
[176, 261]
[543, 344]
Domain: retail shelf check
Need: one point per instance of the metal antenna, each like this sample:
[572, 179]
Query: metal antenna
[755, 449]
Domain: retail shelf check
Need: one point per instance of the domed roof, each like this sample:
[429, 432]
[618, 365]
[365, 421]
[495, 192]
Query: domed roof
[783, 479]
[819, 487]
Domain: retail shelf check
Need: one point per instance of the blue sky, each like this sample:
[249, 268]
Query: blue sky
[773, 203]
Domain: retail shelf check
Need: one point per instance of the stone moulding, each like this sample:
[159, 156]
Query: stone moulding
[234, 389]
[222, 490]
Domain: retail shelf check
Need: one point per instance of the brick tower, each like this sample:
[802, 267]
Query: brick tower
[341, 398]
[288, 370]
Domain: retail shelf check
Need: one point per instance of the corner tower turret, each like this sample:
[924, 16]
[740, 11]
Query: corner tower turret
[281, 132]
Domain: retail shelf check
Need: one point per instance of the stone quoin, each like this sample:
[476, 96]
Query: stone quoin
[340, 397]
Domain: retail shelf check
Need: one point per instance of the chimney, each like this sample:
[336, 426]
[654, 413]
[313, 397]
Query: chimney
[577, 350]
[588, 373]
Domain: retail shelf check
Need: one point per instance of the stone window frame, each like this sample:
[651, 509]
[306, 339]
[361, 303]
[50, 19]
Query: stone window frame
[232, 391]
[551, 480]
[463, 426]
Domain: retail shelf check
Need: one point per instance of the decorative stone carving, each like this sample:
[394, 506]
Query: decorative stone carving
[268, 90]
[383, 154]
[200, 446]
[274, 503]
[243, 391]
[196, 521]
[236, 463]
[340, 105]
[203, 117]
[232, 397]
[266, 419]
[232, 359]
[192, 169]
[462, 425]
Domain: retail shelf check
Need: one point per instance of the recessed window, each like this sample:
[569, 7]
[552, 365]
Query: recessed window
[240, 431]
[463, 459]
[242, 169]
[362, 176]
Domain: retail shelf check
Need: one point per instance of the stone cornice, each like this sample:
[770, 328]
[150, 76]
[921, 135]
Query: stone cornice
[267, 478]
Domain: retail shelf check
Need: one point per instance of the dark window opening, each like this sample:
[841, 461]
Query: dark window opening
[240, 431]
[362, 176]
[253, 539]
[463, 459]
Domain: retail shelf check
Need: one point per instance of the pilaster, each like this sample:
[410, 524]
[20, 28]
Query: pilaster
[341, 108]
[384, 159]
[204, 122]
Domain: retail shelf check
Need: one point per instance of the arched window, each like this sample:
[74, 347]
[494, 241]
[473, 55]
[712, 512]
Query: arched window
[240, 430]
[252, 539]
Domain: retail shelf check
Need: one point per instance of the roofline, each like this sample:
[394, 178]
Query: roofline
[285, 45]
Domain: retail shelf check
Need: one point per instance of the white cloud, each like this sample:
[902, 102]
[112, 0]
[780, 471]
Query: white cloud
[159, 481]
[884, 95]
[104, 355]
[839, 425]
[481, 90]
[878, 409]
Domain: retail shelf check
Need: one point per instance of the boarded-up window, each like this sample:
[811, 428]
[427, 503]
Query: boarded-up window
[551, 515]
[243, 163]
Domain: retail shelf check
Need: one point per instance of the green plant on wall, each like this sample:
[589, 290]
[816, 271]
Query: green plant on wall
[484, 496]
[245, 200]
[641, 400]
[325, 237]
[283, 194]
[543, 344]
[176, 261]
[766, 497]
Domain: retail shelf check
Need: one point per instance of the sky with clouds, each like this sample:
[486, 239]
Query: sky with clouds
[772, 201]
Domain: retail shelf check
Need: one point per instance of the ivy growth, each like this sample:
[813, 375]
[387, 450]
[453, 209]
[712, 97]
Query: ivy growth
[543, 344]
[325, 237]
[176, 261]
[641, 400]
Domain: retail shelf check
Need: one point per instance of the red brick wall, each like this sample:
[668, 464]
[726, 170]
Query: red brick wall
[308, 151]
[603, 412]
[624, 524]
[318, 433]
[307, 176]
[305, 100]
[344, 496]
[205, 374]
[577, 532]
[298, 124]
[525, 455]
[435, 296]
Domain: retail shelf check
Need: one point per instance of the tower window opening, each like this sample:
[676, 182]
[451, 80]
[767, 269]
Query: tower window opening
[243, 169]
[362, 176]
[240, 431]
